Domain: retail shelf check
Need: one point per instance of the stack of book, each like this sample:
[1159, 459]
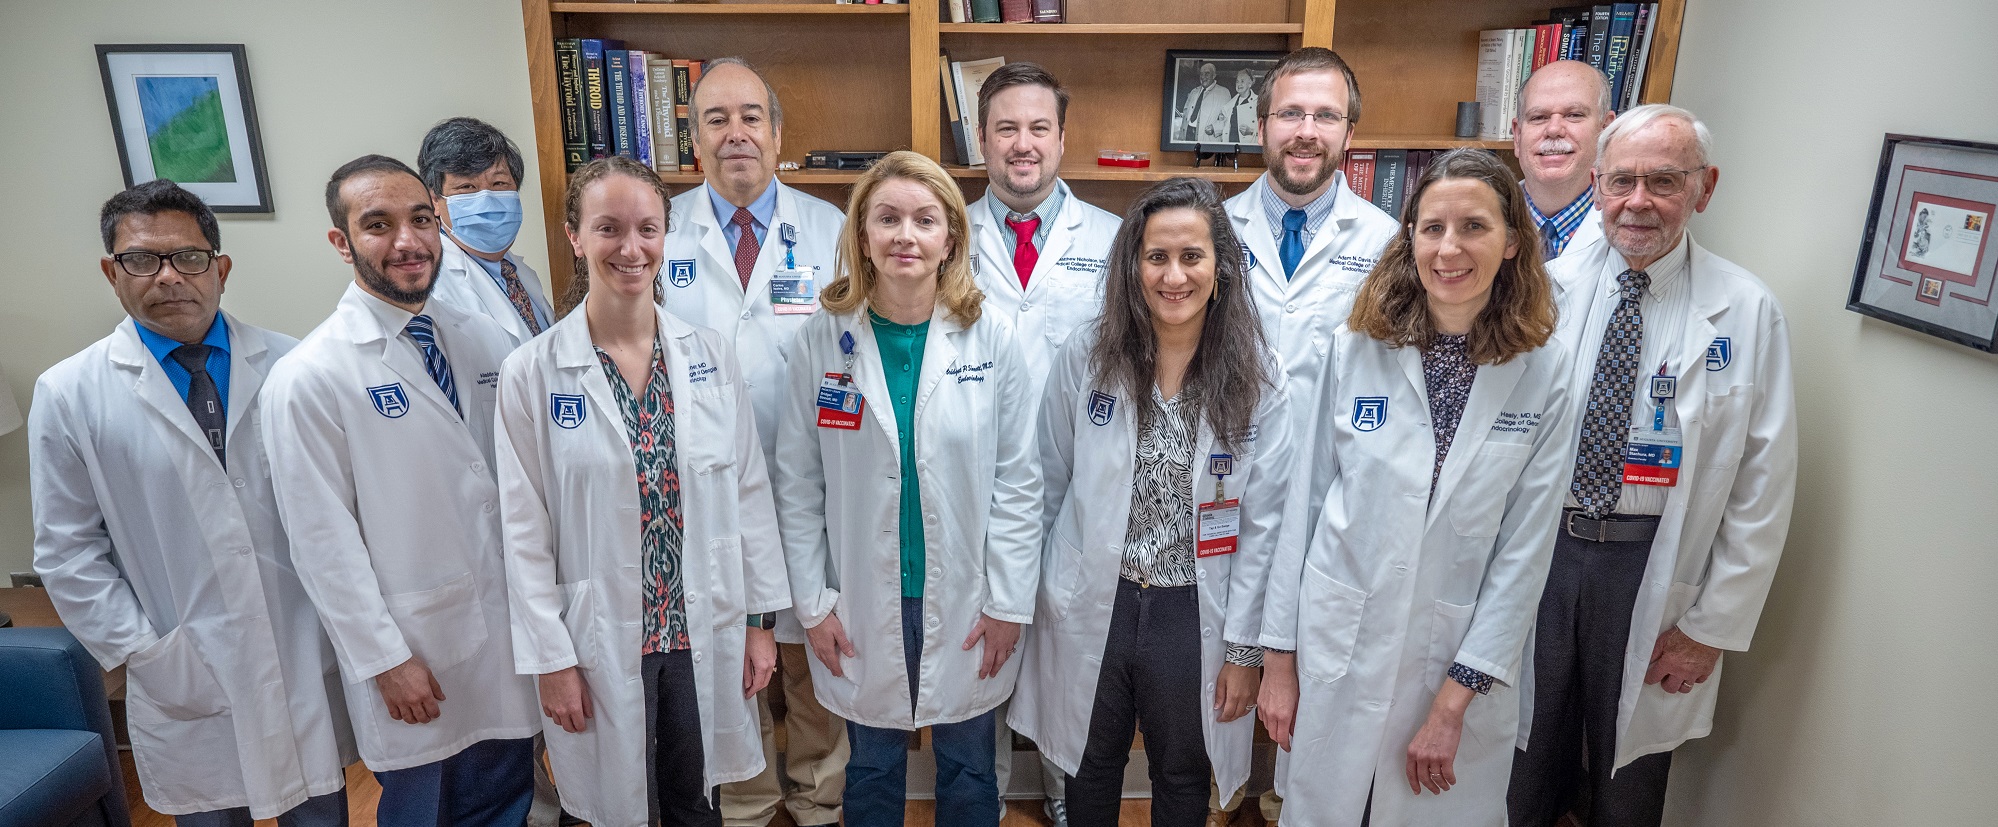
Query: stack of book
[618, 101]
[1615, 38]
[1386, 176]
[961, 82]
[1007, 11]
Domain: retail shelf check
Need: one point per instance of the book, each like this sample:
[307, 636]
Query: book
[665, 134]
[682, 92]
[967, 76]
[596, 121]
[1599, 21]
[1574, 22]
[1050, 11]
[1616, 51]
[693, 81]
[1510, 80]
[984, 11]
[952, 113]
[1016, 11]
[1647, 17]
[1389, 165]
[569, 86]
[617, 98]
[1359, 169]
[641, 108]
[960, 10]
[1527, 48]
[1418, 163]
[1547, 41]
[1491, 85]
[1521, 71]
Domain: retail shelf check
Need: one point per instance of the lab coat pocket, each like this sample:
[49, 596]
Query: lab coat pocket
[579, 616]
[1478, 505]
[444, 626]
[725, 596]
[1446, 636]
[1061, 577]
[1328, 626]
[171, 678]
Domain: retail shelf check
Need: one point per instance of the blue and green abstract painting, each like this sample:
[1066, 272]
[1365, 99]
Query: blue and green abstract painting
[185, 129]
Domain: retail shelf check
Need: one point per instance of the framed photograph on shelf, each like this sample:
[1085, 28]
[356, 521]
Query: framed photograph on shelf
[185, 113]
[1926, 260]
[1210, 100]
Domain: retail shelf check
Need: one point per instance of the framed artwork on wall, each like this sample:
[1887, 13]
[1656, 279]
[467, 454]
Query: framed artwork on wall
[1926, 260]
[186, 113]
[1210, 100]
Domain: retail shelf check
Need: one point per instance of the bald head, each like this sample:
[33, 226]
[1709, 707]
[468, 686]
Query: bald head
[1562, 109]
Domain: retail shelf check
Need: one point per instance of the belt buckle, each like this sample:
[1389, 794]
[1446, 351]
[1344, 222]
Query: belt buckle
[1601, 532]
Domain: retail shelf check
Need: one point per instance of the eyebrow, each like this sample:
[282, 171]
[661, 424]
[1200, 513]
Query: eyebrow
[747, 107]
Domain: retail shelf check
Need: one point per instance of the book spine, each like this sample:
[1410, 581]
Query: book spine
[984, 11]
[1048, 11]
[569, 78]
[959, 12]
[1362, 177]
[1639, 69]
[1599, 23]
[1550, 42]
[665, 136]
[952, 112]
[641, 109]
[967, 115]
[1389, 165]
[682, 92]
[1016, 11]
[1491, 91]
[1578, 42]
[693, 81]
[597, 122]
[1616, 52]
[617, 77]
[1515, 58]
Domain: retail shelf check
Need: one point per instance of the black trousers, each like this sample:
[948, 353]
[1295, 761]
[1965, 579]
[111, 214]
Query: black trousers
[681, 796]
[1578, 653]
[1150, 682]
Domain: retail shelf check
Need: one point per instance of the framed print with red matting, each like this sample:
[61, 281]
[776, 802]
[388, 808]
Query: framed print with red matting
[1926, 260]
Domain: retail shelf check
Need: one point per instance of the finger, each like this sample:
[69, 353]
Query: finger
[436, 690]
[589, 709]
[977, 631]
[1414, 772]
[395, 711]
[1449, 774]
[430, 711]
[1655, 674]
[845, 645]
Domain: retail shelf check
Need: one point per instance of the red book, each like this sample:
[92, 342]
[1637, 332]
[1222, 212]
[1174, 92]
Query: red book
[1016, 11]
[1547, 42]
[1359, 169]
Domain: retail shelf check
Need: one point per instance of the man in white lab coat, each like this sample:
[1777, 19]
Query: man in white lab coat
[473, 172]
[747, 255]
[1680, 498]
[158, 538]
[1563, 107]
[381, 444]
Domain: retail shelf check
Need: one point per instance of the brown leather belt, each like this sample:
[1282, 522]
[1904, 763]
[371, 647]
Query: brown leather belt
[1612, 528]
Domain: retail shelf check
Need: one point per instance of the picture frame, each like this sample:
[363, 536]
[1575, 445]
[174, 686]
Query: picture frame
[186, 112]
[1926, 258]
[1212, 111]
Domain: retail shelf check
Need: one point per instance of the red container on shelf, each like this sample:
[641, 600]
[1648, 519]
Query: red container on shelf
[1119, 158]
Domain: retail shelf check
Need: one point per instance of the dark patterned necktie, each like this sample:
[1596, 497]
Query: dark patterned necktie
[424, 333]
[1598, 478]
[747, 248]
[204, 400]
[516, 294]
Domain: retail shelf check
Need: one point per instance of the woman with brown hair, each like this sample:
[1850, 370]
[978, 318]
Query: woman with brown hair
[1394, 637]
[910, 497]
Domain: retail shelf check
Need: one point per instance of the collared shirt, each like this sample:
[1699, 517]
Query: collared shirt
[1315, 212]
[1047, 210]
[648, 426]
[1664, 306]
[218, 359]
[762, 211]
[493, 270]
[1567, 220]
[901, 347]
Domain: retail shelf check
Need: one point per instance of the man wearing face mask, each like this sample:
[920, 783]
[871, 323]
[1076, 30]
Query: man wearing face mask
[473, 171]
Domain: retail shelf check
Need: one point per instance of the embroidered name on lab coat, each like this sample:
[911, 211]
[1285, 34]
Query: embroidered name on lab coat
[1516, 422]
[700, 372]
[969, 373]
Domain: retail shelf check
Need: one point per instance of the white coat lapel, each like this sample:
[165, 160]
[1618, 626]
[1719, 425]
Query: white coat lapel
[939, 353]
[867, 374]
[676, 341]
[576, 355]
[151, 385]
[993, 245]
[406, 360]
[1060, 238]
[713, 242]
[1410, 359]
[1256, 235]
[246, 374]
[1489, 392]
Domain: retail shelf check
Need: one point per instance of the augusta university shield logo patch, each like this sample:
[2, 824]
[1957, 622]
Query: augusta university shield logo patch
[566, 410]
[389, 400]
[680, 273]
[1720, 353]
[1369, 413]
[1101, 405]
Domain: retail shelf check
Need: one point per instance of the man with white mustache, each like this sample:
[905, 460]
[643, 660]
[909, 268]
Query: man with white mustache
[1562, 109]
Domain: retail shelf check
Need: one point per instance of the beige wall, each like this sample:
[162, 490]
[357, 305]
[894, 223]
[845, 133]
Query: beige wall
[333, 80]
[1866, 697]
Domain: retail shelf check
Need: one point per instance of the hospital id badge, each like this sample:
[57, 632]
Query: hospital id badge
[1652, 456]
[794, 291]
[1220, 526]
[839, 403]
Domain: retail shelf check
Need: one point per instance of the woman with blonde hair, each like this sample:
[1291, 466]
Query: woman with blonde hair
[910, 497]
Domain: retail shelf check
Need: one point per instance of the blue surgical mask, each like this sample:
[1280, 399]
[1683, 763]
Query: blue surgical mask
[487, 220]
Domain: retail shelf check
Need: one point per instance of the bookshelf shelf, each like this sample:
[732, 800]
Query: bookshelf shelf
[1056, 29]
[1155, 172]
[1365, 140]
[795, 177]
[727, 8]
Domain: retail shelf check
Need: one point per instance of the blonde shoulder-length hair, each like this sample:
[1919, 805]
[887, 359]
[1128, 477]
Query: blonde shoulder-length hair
[957, 293]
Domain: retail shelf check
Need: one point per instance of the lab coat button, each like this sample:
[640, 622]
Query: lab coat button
[1207, 631]
[242, 549]
[479, 467]
[239, 482]
[745, 314]
[697, 657]
[1200, 575]
[488, 508]
[1026, 306]
[1290, 308]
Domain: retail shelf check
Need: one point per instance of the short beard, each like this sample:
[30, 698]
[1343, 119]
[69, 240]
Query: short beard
[1281, 175]
[379, 283]
[1005, 182]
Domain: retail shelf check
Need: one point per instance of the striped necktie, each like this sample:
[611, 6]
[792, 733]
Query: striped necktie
[1598, 480]
[424, 332]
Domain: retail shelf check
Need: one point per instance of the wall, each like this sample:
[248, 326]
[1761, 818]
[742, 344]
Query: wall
[1865, 699]
[332, 80]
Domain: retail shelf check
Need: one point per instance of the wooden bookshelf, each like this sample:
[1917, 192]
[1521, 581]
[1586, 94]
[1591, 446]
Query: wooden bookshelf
[866, 77]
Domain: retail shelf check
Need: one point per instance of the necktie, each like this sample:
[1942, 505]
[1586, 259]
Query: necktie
[1598, 477]
[746, 245]
[1024, 254]
[203, 399]
[1292, 250]
[1550, 239]
[516, 293]
[424, 333]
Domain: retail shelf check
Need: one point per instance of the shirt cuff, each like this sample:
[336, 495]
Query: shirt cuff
[1472, 679]
[1242, 654]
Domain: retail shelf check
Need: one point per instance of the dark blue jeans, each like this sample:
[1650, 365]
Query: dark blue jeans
[877, 774]
[329, 810]
[490, 782]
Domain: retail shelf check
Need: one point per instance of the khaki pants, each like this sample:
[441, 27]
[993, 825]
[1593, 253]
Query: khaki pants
[814, 759]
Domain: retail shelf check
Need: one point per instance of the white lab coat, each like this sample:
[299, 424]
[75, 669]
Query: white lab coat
[1088, 459]
[1395, 584]
[698, 283]
[839, 500]
[1065, 291]
[575, 563]
[1724, 524]
[465, 283]
[402, 516]
[1300, 313]
[1590, 233]
[158, 558]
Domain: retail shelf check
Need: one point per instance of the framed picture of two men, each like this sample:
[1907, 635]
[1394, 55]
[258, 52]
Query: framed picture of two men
[1210, 100]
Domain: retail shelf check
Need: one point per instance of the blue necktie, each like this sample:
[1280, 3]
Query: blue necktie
[1292, 250]
[424, 332]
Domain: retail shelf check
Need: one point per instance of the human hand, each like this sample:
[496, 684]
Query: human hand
[410, 692]
[565, 699]
[1678, 663]
[1001, 638]
[759, 660]
[1235, 691]
[1276, 700]
[829, 643]
[1432, 754]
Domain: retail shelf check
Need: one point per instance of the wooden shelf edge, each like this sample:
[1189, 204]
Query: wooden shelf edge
[803, 176]
[1426, 142]
[728, 8]
[1092, 172]
[1120, 28]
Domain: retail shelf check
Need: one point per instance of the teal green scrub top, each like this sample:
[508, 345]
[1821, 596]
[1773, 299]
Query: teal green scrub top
[901, 348]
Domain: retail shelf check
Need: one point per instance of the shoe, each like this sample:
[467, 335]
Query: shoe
[1056, 810]
[1219, 818]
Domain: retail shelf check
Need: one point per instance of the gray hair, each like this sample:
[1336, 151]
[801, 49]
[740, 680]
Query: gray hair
[708, 68]
[1640, 117]
[1604, 106]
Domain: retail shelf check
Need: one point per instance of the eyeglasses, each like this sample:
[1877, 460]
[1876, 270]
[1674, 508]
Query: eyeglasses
[1662, 183]
[142, 264]
[1294, 117]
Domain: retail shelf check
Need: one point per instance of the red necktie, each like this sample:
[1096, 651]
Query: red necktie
[746, 247]
[1024, 254]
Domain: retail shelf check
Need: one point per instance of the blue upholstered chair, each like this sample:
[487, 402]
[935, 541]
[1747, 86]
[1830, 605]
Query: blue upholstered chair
[58, 757]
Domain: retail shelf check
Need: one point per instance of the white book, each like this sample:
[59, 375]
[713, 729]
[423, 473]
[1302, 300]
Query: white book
[1493, 119]
[970, 76]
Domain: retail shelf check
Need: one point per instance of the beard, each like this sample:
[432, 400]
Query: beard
[378, 282]
[1280, 172]
[1004, 180]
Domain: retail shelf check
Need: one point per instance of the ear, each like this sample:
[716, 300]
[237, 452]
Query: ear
[1709, 178]
[575, 241]
[222, 265]
[443, 209]
[1511, 244]
[110, 267]
[338, 238]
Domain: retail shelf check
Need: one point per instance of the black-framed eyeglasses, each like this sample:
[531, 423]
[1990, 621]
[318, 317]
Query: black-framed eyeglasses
[1294, 117]
[189, 262]
[1661, 183]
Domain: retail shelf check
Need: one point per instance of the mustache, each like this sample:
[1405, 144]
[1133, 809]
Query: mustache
[1554, 146]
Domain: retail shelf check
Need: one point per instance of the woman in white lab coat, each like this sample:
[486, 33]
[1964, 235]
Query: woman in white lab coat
[1166, 452]
[640, 601]
[1394, 639]
[910, 497]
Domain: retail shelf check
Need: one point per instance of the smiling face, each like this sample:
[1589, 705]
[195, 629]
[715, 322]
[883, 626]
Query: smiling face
[737, 139]
[1022, 140]
[1176, 268]
[621, 235]
[907, 237]
[1555, 135]
[1459, 242]
[175, 305]
[1640, 225]
[391, 236]
[1303, 156]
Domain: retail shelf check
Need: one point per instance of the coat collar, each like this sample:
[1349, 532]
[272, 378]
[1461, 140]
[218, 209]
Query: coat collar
[940, 350]
[573, 348]
[247, 358]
